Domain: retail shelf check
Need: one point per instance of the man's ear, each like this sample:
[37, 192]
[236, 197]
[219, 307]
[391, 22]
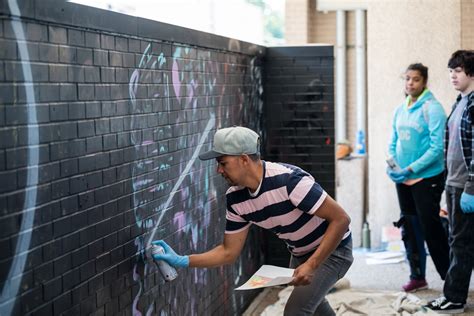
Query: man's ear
[245, 159]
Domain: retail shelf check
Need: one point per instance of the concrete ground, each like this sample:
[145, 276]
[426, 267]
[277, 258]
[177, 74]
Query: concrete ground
[388, 277]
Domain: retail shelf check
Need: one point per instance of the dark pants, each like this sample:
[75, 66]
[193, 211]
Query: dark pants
[461, 226]
[414, 242]
[419, 205]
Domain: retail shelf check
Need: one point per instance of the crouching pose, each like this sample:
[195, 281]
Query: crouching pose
[286, 200]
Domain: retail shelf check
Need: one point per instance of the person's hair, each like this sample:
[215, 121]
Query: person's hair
[422, 69]
[254, 157]
[463, 59]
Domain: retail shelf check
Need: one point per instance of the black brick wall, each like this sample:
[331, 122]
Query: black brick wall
[299, 119]
[101, 118]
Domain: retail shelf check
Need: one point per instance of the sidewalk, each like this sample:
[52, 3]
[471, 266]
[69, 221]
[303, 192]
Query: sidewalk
[385, 277]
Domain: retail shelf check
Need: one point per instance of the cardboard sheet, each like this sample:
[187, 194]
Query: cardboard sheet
[268, 275]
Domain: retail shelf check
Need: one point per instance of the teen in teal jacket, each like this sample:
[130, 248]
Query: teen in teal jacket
[417, 148]
[417, 136]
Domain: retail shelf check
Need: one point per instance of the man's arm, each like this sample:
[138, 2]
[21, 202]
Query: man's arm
[225, 253]
[338, 224]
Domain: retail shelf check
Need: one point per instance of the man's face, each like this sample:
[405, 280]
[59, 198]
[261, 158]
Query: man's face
[230, 167]
[459, 79]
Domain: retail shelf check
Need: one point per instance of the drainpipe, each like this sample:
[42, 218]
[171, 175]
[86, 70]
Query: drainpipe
[361, 100]
[341, 133]
[360, 83]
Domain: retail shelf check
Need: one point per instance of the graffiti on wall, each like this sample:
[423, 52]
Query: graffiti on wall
[193, 188]
[176, 100]
[194, 82]
[12, 285]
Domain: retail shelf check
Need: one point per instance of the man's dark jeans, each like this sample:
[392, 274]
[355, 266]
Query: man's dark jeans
[456, 286]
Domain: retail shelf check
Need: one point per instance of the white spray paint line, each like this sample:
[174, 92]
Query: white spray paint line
[11, 287]
[208, 128]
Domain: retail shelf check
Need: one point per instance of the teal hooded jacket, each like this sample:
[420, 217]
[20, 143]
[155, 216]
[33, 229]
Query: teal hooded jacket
[417, 136]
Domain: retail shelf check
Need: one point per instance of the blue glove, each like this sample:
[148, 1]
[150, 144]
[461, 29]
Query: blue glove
[467, 203]
[170, 256]
[398, 176]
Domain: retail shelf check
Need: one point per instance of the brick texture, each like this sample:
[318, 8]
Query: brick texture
[99, 130]
[96, 161]
[299, 119]
[467, 24]
[320, 27]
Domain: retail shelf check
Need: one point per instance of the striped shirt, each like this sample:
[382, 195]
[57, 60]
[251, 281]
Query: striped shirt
[286, 203]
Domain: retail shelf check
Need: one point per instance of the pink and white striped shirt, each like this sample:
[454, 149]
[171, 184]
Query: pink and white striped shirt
[285, 203]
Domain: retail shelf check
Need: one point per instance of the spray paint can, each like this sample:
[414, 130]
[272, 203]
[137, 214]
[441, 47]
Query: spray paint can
[393, 164]
[168, 272]
[365, 236]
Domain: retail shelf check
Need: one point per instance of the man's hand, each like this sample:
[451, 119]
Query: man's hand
[467, 203]
[303, 275]
[398, 176]
[170, 256]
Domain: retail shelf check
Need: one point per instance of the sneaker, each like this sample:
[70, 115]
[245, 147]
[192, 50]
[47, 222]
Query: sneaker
[443, 306]
[415, 285]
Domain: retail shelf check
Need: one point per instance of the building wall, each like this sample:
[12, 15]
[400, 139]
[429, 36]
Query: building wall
[467, 24]
[398, 33]
[321, 28]
[412, 32]
[102, 116]
[297, 22]
[299, 119]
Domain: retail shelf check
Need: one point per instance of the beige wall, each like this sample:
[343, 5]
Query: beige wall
[399, 32]
[297, 22]
[467, 24]
[413, 31]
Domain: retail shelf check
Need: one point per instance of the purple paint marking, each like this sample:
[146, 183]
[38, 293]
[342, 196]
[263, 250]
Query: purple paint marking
[175, 79]
[136, 278]
[179, 220]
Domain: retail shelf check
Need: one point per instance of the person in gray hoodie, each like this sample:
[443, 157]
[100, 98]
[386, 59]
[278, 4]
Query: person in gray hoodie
[459, 151]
